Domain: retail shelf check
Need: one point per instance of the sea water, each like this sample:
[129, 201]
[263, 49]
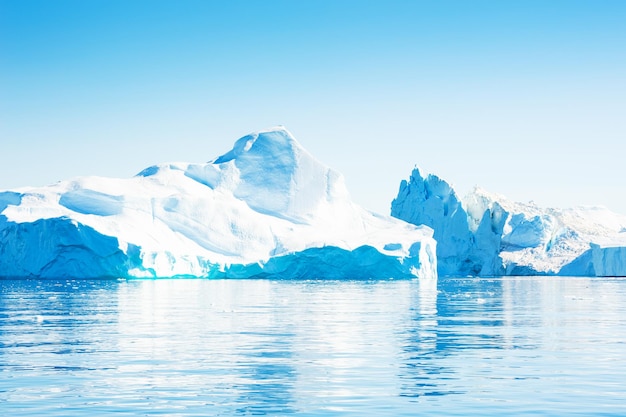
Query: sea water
[448, 347]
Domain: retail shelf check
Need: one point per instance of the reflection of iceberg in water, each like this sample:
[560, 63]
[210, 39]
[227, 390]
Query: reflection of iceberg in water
[220, 347]
[266, 374]
[426, 327]
[511, 330]
[419, 372]
[397, 347]
[451, 318]
[428, 299]
[264, 347]
[347, 345]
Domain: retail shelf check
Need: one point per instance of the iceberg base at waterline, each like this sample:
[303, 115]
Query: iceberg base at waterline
[266, 208]
[599, 261]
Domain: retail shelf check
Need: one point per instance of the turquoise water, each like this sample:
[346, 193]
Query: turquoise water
[508, 346]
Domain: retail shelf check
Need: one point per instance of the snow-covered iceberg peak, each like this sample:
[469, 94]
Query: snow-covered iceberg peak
[265, 208]
[272, 173]
[277, 175]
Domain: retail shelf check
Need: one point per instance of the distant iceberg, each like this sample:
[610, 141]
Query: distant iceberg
[486, 234]
[266, 208]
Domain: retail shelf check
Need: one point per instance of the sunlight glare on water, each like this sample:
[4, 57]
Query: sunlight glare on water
[514, 346]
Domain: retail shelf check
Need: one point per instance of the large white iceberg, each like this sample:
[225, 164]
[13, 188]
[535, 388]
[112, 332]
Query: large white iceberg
[266, 208]
[486, 234]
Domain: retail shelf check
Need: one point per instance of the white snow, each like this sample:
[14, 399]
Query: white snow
[265, 208]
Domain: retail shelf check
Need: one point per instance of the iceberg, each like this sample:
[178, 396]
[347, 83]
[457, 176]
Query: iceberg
[488, 235]
[266, 208]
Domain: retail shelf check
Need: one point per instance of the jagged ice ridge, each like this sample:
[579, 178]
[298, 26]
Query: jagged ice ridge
[486, 234]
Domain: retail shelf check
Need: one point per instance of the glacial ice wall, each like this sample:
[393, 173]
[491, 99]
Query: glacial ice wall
[486, 234]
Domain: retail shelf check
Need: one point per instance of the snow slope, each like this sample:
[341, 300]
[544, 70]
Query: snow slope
[486, 234]
[266, 208]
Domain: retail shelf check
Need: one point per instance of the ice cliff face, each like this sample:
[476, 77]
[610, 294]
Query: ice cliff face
[266, 208]
[466, 245]
[486, 234]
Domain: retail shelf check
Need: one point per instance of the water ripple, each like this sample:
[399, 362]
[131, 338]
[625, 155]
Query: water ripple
[513, 346]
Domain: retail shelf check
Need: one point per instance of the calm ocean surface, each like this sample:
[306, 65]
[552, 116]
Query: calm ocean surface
[457, 347]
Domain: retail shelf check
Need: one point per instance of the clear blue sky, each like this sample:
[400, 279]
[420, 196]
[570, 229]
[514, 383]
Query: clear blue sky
[525, 98]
